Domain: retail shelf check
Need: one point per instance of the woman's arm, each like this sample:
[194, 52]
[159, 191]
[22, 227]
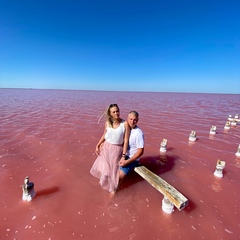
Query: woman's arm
[102, 139]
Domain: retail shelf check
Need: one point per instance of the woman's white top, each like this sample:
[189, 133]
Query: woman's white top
[115, 135]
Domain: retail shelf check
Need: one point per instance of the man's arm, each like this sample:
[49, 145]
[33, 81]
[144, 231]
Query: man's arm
[137, 155]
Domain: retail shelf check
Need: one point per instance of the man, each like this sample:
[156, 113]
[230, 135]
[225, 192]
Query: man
[135, 148]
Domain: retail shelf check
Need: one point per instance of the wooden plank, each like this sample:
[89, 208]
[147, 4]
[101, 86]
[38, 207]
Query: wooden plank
[174, 196]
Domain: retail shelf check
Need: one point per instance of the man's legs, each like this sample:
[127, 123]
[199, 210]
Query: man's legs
[123, 171]
[121, 177]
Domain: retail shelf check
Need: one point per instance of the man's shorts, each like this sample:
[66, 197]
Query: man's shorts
[127, 169]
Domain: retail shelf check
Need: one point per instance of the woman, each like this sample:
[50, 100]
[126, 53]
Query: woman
[111, 147]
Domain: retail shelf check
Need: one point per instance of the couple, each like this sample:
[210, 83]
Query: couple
[118, 150]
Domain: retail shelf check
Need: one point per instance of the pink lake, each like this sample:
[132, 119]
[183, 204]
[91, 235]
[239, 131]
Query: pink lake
[50, 136]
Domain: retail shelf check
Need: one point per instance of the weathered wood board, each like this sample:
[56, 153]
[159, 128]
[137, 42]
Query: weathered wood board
[174, 196]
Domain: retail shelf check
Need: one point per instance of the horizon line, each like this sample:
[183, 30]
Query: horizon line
[95, 90]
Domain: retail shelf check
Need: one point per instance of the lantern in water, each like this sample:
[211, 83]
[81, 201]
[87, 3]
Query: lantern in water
[219, 168]
[227, 125]
[163, 145]
[192, 136]
[213, 130]
[238, 151]
[28, 190]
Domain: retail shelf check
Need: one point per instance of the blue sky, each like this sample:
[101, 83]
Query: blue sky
[125, 45]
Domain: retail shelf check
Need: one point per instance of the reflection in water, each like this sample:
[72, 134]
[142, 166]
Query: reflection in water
[237, 162]
[191, 143]
[216, 186]
[226, 130]
[162, 159]
[211, 136]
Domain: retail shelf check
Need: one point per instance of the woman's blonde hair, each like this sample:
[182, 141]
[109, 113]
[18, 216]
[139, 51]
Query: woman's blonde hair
[108, 113]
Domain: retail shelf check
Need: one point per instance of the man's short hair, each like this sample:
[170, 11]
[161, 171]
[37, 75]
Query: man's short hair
[134, 113]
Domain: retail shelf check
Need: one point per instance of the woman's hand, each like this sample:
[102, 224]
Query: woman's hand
[97, 150]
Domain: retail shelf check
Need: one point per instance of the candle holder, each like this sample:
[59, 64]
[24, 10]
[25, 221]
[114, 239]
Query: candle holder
[238, 151]
[192, 136]
[163, 145]
[213, 130]
[219, 168]
[230, 117]
[236, 118]
[167, 206]
[227, 125]
[28, 190]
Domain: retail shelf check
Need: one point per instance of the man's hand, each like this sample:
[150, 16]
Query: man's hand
[123, 162]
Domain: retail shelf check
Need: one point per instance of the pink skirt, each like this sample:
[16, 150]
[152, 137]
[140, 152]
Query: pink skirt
[106, 168]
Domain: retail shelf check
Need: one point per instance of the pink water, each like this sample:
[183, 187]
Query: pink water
[50, 136]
